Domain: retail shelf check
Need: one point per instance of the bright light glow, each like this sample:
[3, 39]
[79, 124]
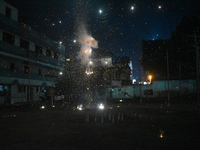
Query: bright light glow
[68, 59]
[80, 107]
[42, 107]
[53, 106]
[100, 11]
[90, 62]
[60, 21]
[132, 7]
[121, 100]
[150, 77]
[101, 106]
[74, 41]
[61, 73]
[106, 62]
[89, 71]
[60, 42]
[161, 135]
[159, 7]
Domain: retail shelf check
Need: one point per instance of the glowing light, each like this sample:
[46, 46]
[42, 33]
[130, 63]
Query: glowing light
[101, 106]
[159, 7]
[121, 100]
[106, 62]
[61, 73]
[132, 7]
[74, 41]
[89, 71]
[42, 107]
[60, 21]
[100, 11]
[161, 135]
[90, 62]
[150, 78]
[60, 42]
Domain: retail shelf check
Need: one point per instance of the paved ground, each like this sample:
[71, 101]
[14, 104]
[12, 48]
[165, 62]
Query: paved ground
[142, 127]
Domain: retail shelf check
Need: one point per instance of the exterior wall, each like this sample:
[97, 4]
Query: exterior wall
[14, 58]
[14, 11]
[160, 89]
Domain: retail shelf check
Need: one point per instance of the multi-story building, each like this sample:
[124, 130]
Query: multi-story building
[116, 70]
[30, 62]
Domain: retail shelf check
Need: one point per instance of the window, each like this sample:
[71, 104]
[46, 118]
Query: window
[39, 72]
[26, 69]
[49, 53]
[24, 44]
[21, 88]
[8, 12]
[12, 66]
[148, 92]
[38, 89]
[56, 55]
[38, 49]
[9, 38]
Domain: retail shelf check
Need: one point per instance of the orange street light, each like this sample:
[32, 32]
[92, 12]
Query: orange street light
[150, 77]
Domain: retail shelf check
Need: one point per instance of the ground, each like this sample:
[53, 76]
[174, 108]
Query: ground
[135, 126]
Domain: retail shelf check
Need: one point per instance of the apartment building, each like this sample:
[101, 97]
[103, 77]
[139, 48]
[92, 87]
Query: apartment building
[30, 62]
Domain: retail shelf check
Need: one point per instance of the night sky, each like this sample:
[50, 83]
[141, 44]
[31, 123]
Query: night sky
[117, 25]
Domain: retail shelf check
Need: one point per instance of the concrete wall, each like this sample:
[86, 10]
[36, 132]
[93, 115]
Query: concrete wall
[14, 11]
[159, 89]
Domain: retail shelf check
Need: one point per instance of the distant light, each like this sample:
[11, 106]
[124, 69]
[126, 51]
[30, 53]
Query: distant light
[121, 100]
[68, 59]
[100, 11]
[53, 106]
[132, 7]
[90, 62]
[106, 62]
[42, 107]
[161, 135]
[60, 42]
[61, 73]
[159, 7]
[101, 106]
[74, 41]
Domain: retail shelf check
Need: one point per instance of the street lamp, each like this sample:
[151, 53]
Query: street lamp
[150, 77]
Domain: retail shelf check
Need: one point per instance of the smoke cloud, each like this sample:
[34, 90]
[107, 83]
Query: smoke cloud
[87, 42]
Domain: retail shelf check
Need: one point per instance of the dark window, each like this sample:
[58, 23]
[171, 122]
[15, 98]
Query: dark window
[56, 55]
[148, 92]
[39, 72]
[12, 66]
[24, 44]
[21, 88]
[7, 37]
[38, 89]
[38, 49]
[8, 12]
[49, 53]
[26, 69]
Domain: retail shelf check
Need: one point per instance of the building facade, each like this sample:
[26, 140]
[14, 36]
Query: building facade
[30, 62]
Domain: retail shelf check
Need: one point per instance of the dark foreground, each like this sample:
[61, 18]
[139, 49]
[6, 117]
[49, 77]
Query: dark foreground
[140, 127]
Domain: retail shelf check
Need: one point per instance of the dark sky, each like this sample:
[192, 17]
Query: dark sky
[118, 28]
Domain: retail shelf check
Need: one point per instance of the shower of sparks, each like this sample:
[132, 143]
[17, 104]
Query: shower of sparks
[87, 42]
